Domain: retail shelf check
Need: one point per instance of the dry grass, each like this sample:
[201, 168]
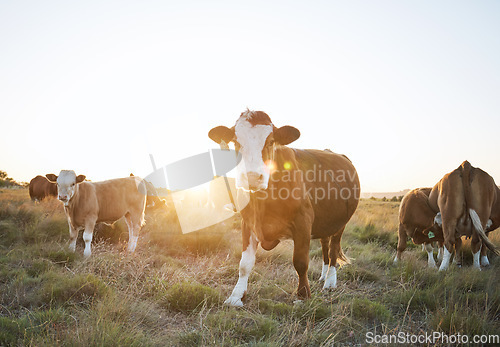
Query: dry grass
[170, 292]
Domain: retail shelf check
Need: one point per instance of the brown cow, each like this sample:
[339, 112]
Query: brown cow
[88, 203]
[418, 221]
[40, 188]
[294, 194]
[467, 199]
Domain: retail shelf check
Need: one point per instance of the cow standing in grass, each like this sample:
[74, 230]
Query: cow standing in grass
[41, 188]
[418, 221]
[294, 194]
[469, 202]
[88, 203]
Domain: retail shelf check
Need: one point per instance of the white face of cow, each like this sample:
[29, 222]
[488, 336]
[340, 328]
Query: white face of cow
[255, 138]
[66, 184]
[252, 173]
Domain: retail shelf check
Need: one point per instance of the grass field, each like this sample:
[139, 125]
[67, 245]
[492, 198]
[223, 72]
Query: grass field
[170, 292]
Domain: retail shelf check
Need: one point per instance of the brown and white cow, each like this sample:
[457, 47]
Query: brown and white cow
[418, 221]
[294, 194]
[88, 203]
[468, 199]
[40, 188]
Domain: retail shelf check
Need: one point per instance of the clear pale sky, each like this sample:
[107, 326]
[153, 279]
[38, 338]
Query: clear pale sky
[406, 89]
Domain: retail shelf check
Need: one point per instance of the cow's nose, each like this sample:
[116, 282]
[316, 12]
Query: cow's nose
[255, 180]
[63, 197]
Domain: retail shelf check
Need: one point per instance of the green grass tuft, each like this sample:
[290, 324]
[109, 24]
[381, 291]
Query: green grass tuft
[187, 297]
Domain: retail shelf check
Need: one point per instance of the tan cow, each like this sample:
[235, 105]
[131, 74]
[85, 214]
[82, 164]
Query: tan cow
[40, 188]
[88, 203]
[418, 221]
[467, 199]
[294, 194]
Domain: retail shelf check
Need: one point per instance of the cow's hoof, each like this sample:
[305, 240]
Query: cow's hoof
[329, 287]
[235, 302]
[432, 266]
[298, 302]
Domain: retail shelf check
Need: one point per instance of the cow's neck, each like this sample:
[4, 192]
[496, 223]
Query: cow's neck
[270, 211]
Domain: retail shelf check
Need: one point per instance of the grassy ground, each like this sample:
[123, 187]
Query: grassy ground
[170, 292]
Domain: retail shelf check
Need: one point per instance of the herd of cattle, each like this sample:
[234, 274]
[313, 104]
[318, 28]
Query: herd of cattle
[465, 202]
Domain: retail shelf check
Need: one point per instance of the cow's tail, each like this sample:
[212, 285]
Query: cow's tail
[480, 231]
[466, 176]
[342, 259]
[31, 192]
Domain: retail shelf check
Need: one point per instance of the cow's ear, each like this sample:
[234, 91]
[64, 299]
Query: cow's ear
[51, 177]
[221, 133]
[286, 134]
[80, 178]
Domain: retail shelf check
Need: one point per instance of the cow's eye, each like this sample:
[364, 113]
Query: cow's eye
[271, 142]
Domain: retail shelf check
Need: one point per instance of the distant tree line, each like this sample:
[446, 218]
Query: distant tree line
[8, 182]
[393, 199]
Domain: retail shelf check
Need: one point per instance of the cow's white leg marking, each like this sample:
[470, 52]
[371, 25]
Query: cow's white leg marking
[72, 245]
[446, 260]
[430, 259]
[485, 261]
[246, 264]
[476, 257]
[440, 253]
[132, 243]
[430, 255]
[133, 233]
[324, 271]
[396, 259]
[331, 278]
[87, 237]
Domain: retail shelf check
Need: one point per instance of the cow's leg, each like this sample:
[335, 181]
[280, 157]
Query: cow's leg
[449, 241]
[484, 255]
[335, 253]
[430, 255]
[87, 236]
[475, 246]
[457, 258]
[134, 227]
[301, 243]
[402, 238]
[73, 234]
[440, 250]
[246, 264]
[326, 257]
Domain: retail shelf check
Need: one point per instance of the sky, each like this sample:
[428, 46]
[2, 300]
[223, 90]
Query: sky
[406, 89]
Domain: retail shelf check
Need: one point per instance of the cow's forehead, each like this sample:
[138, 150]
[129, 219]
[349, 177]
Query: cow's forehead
[66, 177]
[248, 134]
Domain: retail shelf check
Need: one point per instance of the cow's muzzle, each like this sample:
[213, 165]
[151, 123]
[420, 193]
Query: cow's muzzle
[255, 181]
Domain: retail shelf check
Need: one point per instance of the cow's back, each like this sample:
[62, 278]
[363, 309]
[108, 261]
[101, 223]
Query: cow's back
[119, 196]
[333, 184]
[40, 187]
[414, 209]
